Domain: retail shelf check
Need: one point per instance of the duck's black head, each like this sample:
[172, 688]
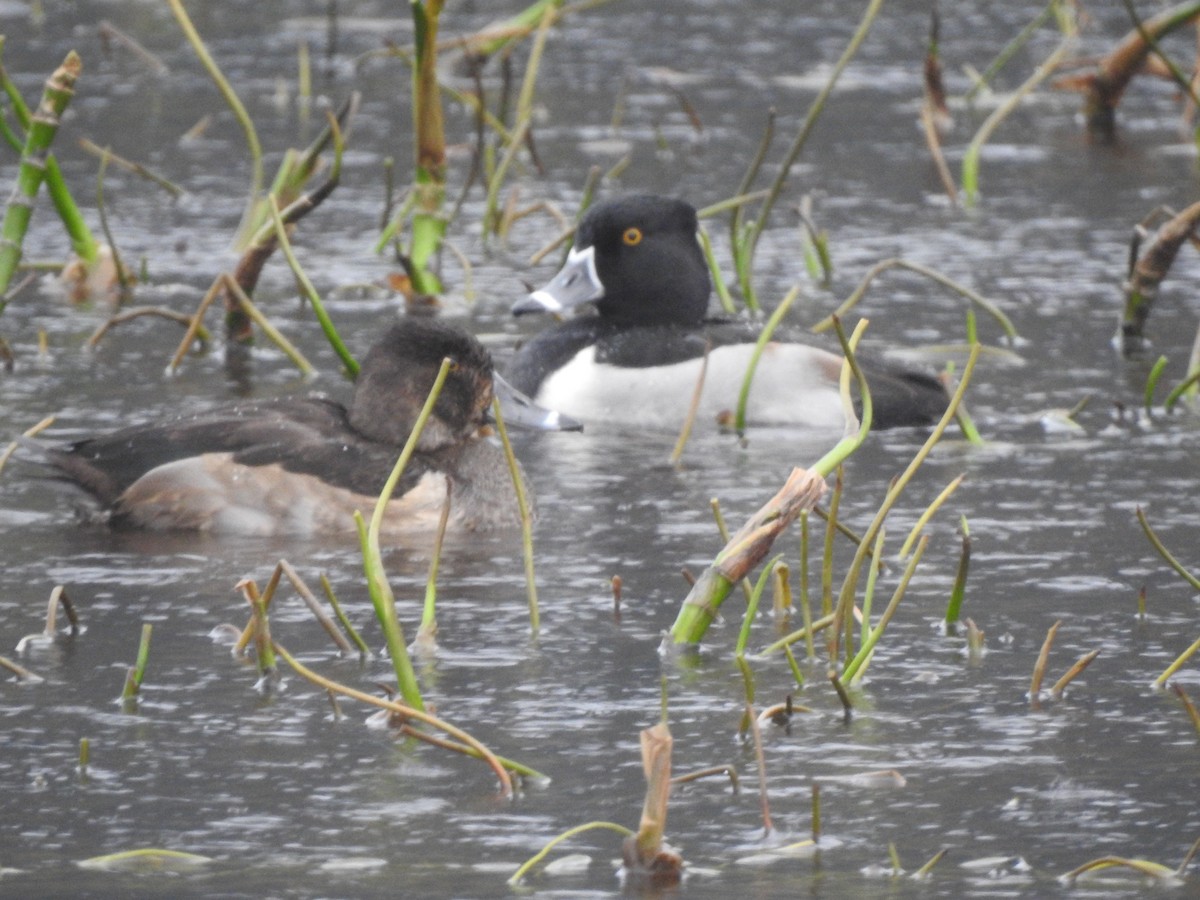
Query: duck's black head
[399, 372]
[638, 260]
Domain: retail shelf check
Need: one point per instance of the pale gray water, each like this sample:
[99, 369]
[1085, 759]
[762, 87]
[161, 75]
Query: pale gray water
[291, 803]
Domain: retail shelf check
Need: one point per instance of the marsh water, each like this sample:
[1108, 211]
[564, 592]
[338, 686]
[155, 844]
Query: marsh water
[287, 799]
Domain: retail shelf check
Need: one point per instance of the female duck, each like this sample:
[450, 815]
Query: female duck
[638, 361]
[302, 465]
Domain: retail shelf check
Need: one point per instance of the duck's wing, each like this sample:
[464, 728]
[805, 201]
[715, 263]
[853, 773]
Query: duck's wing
[303, 435]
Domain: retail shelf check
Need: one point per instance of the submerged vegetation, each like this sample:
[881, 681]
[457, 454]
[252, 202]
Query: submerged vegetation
[843, 627]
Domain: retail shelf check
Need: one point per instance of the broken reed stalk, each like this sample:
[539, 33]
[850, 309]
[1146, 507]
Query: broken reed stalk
[37, 429]
[380, 590]
[249, 589]
[137, 673]
[1105, 85]
[427, 632]
[1164, 552]
[763, 338]
[1039, 667]
[59, 595]
[43, 126]
[19, 670]
[924, 871]
[274, 334]
[235, 105]
[469, 745]
[196, 326]
[363, 650]
[970, 163]
[314, 606]
[959, 590]
[723, 530]
[83, 244]
[526, 514]
[854, 669]
[746, 240]
[781, 595]
[1072, 673]
[1148, 271]
[753, 541]
[526, 866]
[1144, 867]
[136, 312]
[1010, 330]
[645, 852]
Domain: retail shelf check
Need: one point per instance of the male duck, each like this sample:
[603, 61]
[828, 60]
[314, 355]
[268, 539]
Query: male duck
[637, 259]
[302, 465]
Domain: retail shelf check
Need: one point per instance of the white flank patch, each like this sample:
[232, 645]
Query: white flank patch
[793, 385]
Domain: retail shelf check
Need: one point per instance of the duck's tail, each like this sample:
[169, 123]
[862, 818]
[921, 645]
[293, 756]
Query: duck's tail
[904, 398]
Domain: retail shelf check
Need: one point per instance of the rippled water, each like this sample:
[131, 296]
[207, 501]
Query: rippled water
[291, 801]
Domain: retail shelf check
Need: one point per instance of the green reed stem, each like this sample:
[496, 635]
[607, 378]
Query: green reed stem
[526, 514]
[924, 518]
[83, 243]
[380, 590]
[970, 163]
[1164, 552]
[714, 271]
[469, 745]
[274, 334]
[805, 603]
[868, 593]
[426, 634]
[1152, 380]
[752, 607]
[759, 345]
[958, 592]
[1010, 50]
[342, 618]
[524, 868]
[857, 666]
[975, 297]
[310, 292]
[850, 584]
[235, 105]
[133, 682]
[747, 243]
[43, 126]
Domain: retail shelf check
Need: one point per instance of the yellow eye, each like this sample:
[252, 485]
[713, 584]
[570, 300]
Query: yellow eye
[632, 236]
